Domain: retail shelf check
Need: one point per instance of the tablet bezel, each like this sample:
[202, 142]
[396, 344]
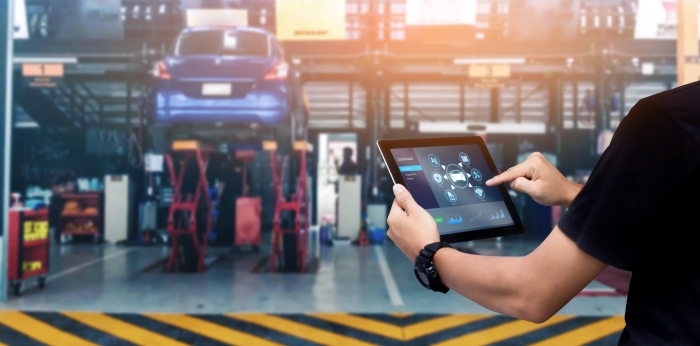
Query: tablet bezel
[385, 146]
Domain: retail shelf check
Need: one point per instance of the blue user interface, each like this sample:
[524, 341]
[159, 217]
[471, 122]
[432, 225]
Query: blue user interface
[450, 183]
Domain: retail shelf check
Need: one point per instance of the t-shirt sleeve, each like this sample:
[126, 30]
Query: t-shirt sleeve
[621, 208]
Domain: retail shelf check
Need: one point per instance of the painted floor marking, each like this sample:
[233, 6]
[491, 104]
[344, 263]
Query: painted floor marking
[502, 332]
[391, 287]
[298, 330]
[39, 330]
[211, 330]
[364, 324]
[586, 334]
[87, 264]
[439, 324]
[121, 329]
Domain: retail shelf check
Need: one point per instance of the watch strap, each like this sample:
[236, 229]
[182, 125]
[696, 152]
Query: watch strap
[425, 257]
[434, 247]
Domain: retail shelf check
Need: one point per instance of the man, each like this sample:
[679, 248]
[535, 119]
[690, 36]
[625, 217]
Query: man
[638, 212]
[348, 167]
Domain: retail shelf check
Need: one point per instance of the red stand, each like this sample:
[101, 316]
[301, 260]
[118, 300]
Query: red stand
[28, 245]
[248, 209]
[187, 204]
[298, 205]
[363, 240]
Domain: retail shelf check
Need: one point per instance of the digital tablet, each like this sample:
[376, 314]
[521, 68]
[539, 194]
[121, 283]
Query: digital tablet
[447, 177]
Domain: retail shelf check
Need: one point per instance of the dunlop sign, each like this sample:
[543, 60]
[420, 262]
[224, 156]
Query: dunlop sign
[489, 76]
[310, 20]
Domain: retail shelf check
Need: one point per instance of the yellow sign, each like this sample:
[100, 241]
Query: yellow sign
[489, 71]
[36, 230]
[310, 20]
[31, 266]
[216, 17]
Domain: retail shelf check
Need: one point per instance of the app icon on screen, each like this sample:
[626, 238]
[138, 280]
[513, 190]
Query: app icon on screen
[479, 192]
[451, 196]
[464, 158]
[437, 177]
[476, 174]
[434, 160]
[457, 175]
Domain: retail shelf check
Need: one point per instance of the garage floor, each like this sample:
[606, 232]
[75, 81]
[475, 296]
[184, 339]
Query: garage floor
[374, 287]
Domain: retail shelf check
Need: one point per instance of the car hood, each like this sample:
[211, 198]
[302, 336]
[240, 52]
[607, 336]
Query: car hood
[218, 67]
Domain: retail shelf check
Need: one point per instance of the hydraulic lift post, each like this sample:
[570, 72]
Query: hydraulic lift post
[291, 219]
[187, 206]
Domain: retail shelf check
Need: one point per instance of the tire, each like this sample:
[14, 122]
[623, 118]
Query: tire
[284, 136]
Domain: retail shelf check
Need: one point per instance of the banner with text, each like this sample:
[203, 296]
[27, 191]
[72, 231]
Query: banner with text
[440, 12]
[310, 20]
[657, 19]
[20, 21]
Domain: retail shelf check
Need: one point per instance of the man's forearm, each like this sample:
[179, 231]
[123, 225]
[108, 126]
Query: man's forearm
[490, 281]
[532, 288]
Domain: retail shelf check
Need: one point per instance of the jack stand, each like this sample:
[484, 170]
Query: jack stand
[187, 240]
[291, 218]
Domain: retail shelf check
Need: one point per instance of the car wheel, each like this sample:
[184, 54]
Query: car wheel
[284, 138]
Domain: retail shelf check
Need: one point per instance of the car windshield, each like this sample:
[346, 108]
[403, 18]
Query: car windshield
[222, 42]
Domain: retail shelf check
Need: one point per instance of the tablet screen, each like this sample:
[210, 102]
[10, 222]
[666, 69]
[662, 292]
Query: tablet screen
[450, 183]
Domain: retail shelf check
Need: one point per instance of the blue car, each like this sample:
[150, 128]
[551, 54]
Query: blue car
[231, 77]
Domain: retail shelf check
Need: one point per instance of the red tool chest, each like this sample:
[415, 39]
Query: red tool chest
[28, 245]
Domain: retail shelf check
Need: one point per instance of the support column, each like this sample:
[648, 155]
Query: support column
[495, 104]
[6, 30]
[688, 63]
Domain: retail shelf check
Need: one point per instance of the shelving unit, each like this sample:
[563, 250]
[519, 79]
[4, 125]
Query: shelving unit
[28, 254]
[82, 216]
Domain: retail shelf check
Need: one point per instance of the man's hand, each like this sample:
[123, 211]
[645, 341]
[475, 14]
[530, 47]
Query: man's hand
[539, 179]
[413, 229]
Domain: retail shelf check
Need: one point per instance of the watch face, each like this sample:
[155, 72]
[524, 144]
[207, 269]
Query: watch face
[422, 278]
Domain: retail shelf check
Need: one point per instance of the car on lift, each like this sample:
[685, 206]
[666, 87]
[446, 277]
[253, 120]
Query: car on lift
[232, 78]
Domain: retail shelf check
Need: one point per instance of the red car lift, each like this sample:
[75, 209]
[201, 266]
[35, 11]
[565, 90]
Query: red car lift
[290, 239]
[248, 209]
[188, 204]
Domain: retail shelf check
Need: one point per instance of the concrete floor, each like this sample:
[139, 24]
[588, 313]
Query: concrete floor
[107, 278]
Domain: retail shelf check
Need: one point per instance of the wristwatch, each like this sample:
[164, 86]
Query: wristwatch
[425, 270]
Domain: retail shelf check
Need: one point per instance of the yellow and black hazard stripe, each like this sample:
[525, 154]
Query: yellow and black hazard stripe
[89, 328]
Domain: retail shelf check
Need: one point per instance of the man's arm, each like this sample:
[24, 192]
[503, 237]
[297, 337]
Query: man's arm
[531, 288]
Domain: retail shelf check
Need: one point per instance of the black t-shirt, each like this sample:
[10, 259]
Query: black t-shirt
[640, 211]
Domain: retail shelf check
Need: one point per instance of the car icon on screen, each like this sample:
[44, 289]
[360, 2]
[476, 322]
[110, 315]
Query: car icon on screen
[457, 175]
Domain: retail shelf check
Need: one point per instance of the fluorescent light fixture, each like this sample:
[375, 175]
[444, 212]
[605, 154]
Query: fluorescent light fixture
[468, 61]
[45, 60]
[26, 125]
[473, 127]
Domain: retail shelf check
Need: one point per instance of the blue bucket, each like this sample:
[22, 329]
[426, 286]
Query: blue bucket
[377, 235]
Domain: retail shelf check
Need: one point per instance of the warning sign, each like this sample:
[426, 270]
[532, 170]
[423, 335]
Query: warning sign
[489, 76]
[42, 75]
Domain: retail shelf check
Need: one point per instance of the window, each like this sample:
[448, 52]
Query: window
[223, 42]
